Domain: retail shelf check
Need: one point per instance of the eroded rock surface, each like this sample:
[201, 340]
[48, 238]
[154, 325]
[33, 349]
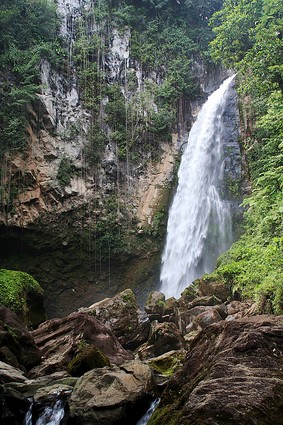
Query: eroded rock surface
[233, 374]
[60, 340]
[17, 346]
[111, 396]
[122, 315]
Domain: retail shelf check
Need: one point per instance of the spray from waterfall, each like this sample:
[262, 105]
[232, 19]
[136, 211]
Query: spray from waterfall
[199, 225]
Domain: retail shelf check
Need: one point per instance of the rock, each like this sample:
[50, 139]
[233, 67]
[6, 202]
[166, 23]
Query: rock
[60, 340]
[13, 407]
[205, 301]
[122, 315]
[166, 365]
[21, 293]
[207, 317]
[9, 373]
[17, 346]
[155, 305]
[231, 375]
[164, 337]
[234, 307]
[170, 312]
[88, 357]
[50, 406]
[217, 289]
[112, 395]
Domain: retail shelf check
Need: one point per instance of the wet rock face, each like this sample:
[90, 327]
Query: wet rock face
[232, 374]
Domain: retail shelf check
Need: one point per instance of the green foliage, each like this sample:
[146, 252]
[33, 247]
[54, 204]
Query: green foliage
[27, 33]
[249, 38]
[66, 171]
[15, 288]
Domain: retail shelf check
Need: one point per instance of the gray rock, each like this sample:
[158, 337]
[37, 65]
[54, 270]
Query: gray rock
[111, 395]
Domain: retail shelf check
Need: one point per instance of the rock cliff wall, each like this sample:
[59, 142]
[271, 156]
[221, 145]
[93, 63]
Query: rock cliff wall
[83, 209]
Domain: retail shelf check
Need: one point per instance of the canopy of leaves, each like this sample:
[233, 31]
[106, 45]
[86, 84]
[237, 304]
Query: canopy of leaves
[249, 39]
[27, 33]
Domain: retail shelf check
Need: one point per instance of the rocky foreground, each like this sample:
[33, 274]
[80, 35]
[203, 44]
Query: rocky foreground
[210, 358]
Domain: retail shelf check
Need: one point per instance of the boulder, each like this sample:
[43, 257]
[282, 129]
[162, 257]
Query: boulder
[214, 288]
[13, 407]
[9, 373]
[166, 365]
[112, 395]
[207, 317]
[122, 315]
[237, 309]
[22, 294]
[208, 300]
[155, 305]
[231, 375]
[17, 346]
[61, 340]
[164, 337]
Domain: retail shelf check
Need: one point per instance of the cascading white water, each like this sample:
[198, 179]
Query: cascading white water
[199, 225]
[144, 420]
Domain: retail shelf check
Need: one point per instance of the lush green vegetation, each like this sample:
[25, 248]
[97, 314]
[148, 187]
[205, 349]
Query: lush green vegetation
[249, 39]
[17, 289]
[166, 36]
[27, 33]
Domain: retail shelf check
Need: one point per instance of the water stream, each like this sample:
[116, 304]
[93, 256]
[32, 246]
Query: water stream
[144, 420]
[199, 225]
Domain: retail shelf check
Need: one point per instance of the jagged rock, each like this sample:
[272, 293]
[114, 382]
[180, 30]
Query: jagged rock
[217, 289]
[13, 407]
[206, 301]
[155, 305]
[60, 340]
[207, 317]
[164, 337]
[170, 312]
[122, 315]
[9, 373]
[232, 374]
[112, 395]
[17, 346]
[166, 365]
[235, 307]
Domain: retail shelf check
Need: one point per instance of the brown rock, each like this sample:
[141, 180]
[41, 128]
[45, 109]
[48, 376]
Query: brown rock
[207, 317]
[122, 315]
[233, 374]
[155, 305]
[60, 340]
[237, 307]
[17, 346]
[164, 337]
[217, 289]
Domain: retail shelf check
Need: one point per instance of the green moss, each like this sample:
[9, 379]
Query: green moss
[164, 415]
[17, 290]
[169, 365]
[87, 358]
[129, 298]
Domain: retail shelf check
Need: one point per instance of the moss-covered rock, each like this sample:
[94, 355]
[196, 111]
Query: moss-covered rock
[88, 357]
[167, 364]
[22, 294]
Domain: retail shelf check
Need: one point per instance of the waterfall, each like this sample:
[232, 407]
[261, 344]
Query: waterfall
[50, 410]
[199, 225]
[144, 420]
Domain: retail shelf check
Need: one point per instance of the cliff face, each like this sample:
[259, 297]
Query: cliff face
[83, 209]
